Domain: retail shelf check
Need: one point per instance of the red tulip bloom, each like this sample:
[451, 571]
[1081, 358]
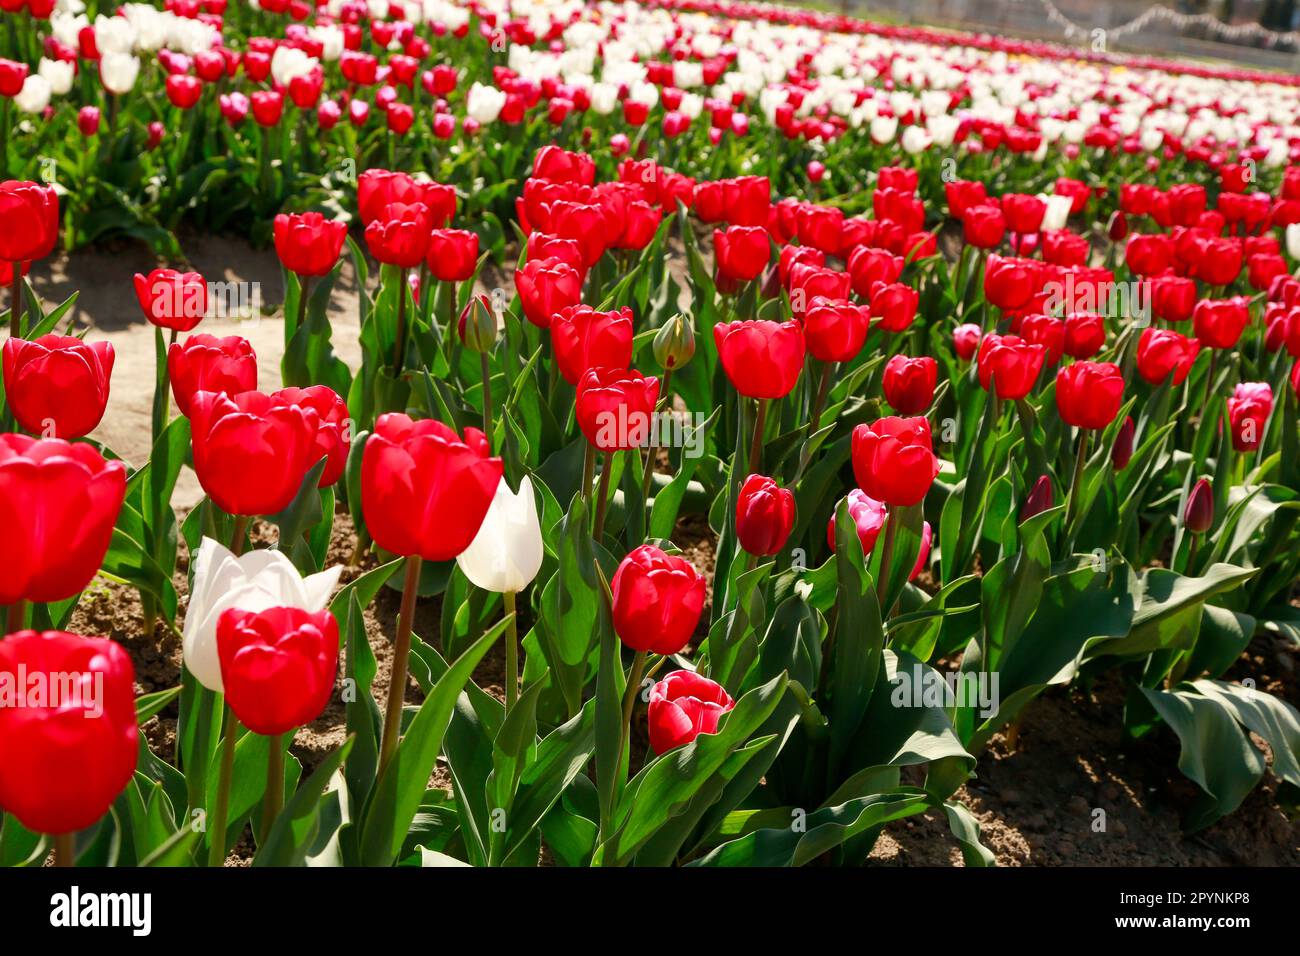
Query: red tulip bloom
[205, 363]
[307, 243]
[1011, 283]
[869, 266]
[895, 305]
[834, 329]
[1220, 322]
[764, 515]
[1173, 297]
[682, 706]
[762, 359]
[29, 221]
[1085, 334]
[268, 107]
[792, 256]
[546, 287]
[614, 407]
[377, 189]
[1149, 255]
[966, 340]
[559, 165]
[584, 223]
[543, 245]
[251, 450]
[66, 756]
[741, 252]
[584, 338]
[909, 383]
[171, 299]
[962, 195]
[59, 502]
[333, 429]
[1248, 410]
[1217, 260]
[57, 385]
[807, 282]
[12, 73]
[1024, 214]
[400, 235]
[1010, 365]
[1161, 352]
[868, 516]
[453, 254]
[894, 460]
[658, 598]
[424, 490]
[278, 666]
[1088, 394]
[640, 223]
[1064, 248]
[183, 91]
[1047, 331]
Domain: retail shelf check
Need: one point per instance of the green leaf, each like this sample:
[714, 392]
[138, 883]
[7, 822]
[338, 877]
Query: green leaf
[296, 826]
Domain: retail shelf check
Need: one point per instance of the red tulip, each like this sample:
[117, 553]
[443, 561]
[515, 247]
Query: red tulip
[741, 252]
[584, 223]
[1163, 351]
[545, 287]
[171, 299]
[1122, 451]
[966, 340]
[307, 243]
[894, 460]
[792, 256]
[1149, 255]
[333, 428]
[868, 266]
[640, 223]
[1088, 394]
[183, 91]
[88, 120]
[205, 363]
[278, 666]
[584, 338]
[1010, 365]
[59, 502]
[1217, 260]
[543, 245]
[1040, 499]
[909, 383]
[1085, 334]
[895, 305]
[1173, 297]
[614, 407]
[268, 107]
[682, 706]
[453, 255]
[1198, 514]
[12, 76]
[807, 282]
[962, 195]
[1024, 214]
[1047, 331]
[1220, 322]
[762, 359]
[57, 385]
[251, 450]
[1248, 410]
[66, 756]
[1010, 283]
[1064, 248]
[868, 516]
[29, 221]
[377, 189]
[558, 165]
[764, 515]
[424, 490]
[658, 598]
[399, 236]
[834, 329]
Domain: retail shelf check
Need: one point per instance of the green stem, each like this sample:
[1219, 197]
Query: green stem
[399, 347]
[588, 471]
[401, 660]
[273, 799]
[512, 652]
[653, 452]
[237, 538]
[16, 303]
[16, 616]
[486, 372]
[1081, 459]
[756, 446]
[886, 559]
[629, 702]
[217, 826]
[602, 495]
[65, 853]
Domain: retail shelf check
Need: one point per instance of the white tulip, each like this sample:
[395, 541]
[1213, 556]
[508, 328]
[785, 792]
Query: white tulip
[114, 35]
[484, 103]
[883, 128]
[1057, 213]
[506, 554]
[58, 74]
[915, 140]
[118, 71]
[942, 129]
[35, 94]
[253, 581]
[1293, 240]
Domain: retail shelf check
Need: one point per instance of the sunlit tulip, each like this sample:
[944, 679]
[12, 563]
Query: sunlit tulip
[506, 554]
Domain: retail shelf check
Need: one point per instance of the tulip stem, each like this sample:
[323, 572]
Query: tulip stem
[217, 831]
[302, 303]
[819, 402]
[401, 659]
[602, 496]
[486, 371]
[237, 538]
[512, 652]
[399, 347]
[65, 853]
[629, 701]
[653, 450]
[1081, 458]
[16, 616]
[756, 446]
[273, 799]
[588, 471]
[886, 559]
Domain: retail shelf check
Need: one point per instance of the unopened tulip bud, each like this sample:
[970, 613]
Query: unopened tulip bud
[478, 324]
[674, 343]
[1040, 499]
[1117, 228]
[88, 120]
[1122, 450]
[1198, 516]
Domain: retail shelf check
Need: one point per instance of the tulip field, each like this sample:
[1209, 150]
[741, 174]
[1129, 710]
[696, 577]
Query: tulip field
[753, 421]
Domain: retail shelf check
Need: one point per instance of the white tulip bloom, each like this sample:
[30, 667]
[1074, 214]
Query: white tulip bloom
[118, 72]
[506, 554]
[884, 128]
[484, 103]
[253, 581]
[915, 140]
[58, 74]
[35, 94]
[114, 35]
[1293, 240]
[1057, 213]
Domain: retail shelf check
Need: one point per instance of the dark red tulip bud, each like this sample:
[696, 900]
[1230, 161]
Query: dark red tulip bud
[1198, 516]
[1122, 450]
[1040, 499]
